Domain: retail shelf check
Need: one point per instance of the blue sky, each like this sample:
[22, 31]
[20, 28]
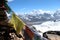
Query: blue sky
[29, 5]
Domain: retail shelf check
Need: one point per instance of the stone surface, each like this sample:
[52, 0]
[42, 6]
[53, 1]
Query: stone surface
[53, 37]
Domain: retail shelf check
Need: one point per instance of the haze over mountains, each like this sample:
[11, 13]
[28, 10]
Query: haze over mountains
[39, 16]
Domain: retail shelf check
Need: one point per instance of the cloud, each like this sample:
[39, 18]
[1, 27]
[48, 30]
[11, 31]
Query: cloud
[58, 9]
[36, 11]
[22, 9]
[45, 11]
[10, 0]
[40, 11]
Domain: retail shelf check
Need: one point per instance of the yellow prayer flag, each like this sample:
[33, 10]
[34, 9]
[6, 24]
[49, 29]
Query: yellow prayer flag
[18, 24]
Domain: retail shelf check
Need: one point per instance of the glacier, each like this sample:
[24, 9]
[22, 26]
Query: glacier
[47, 26]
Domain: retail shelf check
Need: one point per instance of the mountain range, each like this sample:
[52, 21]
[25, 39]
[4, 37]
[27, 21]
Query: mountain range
[38, 17]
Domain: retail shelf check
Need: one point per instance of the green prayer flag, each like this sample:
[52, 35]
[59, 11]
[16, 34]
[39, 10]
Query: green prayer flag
[8, 8]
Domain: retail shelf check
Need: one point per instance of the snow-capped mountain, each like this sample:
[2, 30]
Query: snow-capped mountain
[39, 16]
[57, 14]
[48, 26]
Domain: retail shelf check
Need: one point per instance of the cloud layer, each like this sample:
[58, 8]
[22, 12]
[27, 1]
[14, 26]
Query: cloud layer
[10, 0]
[34, 11]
